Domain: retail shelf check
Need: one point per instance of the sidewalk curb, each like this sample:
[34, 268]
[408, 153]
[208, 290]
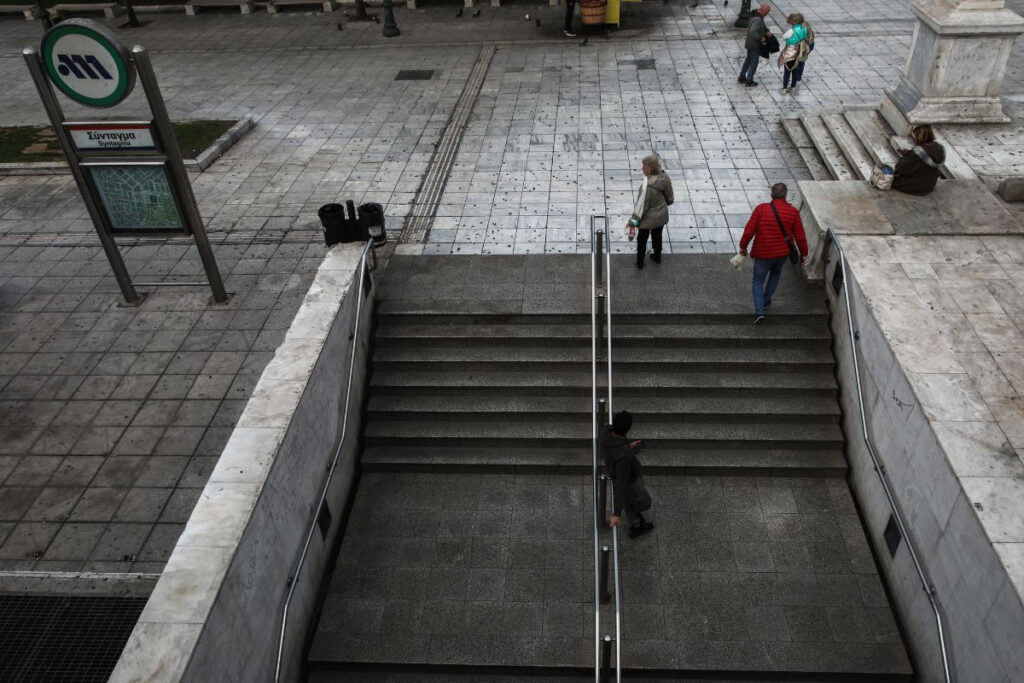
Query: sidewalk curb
[197, 165]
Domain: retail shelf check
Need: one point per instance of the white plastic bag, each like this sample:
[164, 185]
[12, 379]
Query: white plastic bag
[737, 260]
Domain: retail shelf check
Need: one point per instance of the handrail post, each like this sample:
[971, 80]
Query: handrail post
[600, 324]
[606, 596]
[602, 502]
[599, 248]
[606, 658]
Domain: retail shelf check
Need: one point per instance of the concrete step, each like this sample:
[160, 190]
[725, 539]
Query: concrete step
[561, 434]
[856, 156]
[669, 409]
[874, 134]
[707, 359]
[827, 148]
[402, 317]
[627, 384]
[741, 334]
[805, 148]
[657, 460]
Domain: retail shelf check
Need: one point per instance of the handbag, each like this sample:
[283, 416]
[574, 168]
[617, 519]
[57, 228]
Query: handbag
[881, 177]
[794, 253]
[631, 232]
[770, 46]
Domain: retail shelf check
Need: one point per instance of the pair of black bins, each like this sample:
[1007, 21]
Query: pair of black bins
[355, 228]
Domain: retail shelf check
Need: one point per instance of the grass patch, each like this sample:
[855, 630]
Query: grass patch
[19, 144]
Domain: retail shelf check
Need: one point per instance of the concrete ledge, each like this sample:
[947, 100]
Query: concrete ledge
[215, 612]
[945, 438]
[197, 165]
[325, 5]
[78, 583]
[955, 207]
[220, 145]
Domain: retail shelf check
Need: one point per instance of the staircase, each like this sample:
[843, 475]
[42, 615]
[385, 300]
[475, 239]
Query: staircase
[468, 552]
[847, 145]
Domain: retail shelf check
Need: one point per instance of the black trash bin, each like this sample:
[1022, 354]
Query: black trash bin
[332, 218]
[372, 218]
[355, 231]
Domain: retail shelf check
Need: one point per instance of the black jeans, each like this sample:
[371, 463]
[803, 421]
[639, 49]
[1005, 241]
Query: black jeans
[641, 242]
[570, 6]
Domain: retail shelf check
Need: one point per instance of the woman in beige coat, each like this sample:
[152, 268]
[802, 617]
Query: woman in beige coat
[651, 211]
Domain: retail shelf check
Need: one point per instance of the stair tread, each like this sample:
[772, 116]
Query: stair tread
[805, 148]
[581, 354]
[828, 148]
[874, 133]
[845, 136]
[639, 406]
[622, 379]
[653, 458]
[539, 429]
[583, 331]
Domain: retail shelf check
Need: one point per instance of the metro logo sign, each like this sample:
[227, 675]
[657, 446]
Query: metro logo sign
[87, 63]
[82, 66]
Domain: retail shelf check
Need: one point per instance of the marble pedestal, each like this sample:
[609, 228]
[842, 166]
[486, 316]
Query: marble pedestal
[957, 62]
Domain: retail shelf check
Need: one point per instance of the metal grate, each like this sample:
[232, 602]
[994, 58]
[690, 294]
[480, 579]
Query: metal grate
[63, 638]
[415, 75]
[644, 64]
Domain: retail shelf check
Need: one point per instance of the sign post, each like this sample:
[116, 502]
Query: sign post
[130, 173]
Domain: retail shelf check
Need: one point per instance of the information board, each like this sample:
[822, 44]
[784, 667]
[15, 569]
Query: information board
[136, 197]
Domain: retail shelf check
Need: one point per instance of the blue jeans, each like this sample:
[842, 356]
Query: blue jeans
[772, 269]
[797, 73]
[750, 63]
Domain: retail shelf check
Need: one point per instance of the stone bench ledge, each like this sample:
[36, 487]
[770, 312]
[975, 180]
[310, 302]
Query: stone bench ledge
[326, 5]
[192, 6]
[109, 9]
[27, 11]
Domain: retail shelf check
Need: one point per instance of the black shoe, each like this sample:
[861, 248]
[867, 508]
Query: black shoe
[751, 84]
[741, 80]
[640, 529]
[656, 258]
[758, 319]
[640, 264]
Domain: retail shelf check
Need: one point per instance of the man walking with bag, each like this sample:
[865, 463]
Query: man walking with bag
[778, 235]
[622, 466]
[757, 35]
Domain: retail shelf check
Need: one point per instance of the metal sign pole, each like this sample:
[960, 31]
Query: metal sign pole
[53, 110]
[176, 167]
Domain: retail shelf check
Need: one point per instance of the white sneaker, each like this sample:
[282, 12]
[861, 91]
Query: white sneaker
[568, 34]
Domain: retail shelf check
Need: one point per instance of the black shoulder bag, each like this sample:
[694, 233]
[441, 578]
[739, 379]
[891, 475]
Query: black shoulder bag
[794, 253]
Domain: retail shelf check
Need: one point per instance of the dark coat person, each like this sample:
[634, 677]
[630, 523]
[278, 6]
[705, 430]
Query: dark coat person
[917, 171]
[629, 493]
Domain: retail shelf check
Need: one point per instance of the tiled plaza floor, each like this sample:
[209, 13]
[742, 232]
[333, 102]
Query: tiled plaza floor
[111, 418]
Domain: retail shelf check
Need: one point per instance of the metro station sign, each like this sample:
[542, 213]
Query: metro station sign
[87, 62]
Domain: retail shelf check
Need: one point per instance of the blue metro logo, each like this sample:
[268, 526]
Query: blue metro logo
[86, 66]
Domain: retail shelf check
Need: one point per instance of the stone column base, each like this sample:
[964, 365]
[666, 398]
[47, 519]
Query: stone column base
[957, 62]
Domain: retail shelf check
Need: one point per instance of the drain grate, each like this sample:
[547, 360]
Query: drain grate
[415, 75]
[644, 64]
[63, 638]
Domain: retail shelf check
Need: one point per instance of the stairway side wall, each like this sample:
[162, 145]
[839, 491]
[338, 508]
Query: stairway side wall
[215, 613]
[982, 615]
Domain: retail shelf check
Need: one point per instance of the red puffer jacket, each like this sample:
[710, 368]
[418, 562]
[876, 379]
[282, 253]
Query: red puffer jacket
[762, 227]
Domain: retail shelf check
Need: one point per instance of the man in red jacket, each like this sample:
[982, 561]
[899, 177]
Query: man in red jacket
[772, 226]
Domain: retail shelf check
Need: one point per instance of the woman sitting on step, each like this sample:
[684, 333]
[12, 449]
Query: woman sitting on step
[917, 171]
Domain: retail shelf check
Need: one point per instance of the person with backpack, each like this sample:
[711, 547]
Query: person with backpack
[799, 40]
[629, 495]
[778, 235]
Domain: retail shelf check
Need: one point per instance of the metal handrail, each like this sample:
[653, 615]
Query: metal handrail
[926, 585]
[601, 246]
[334, 462]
